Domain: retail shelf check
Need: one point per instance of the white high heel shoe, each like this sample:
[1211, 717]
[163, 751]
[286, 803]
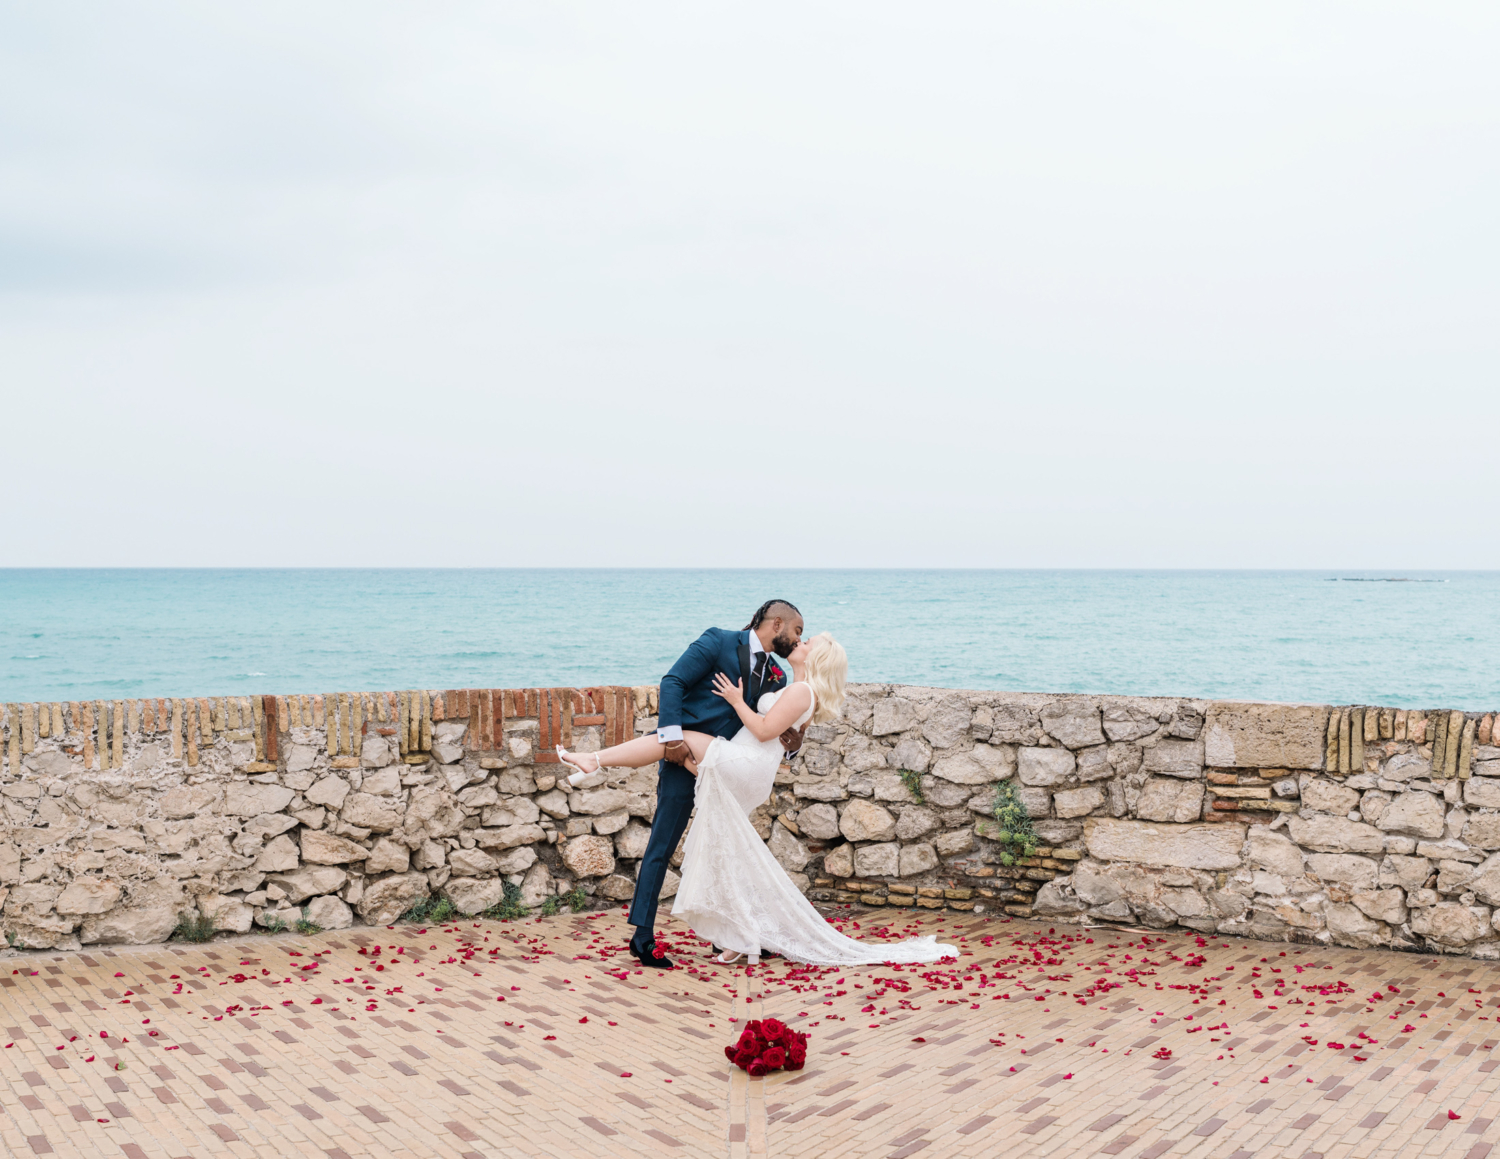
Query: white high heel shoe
[576, 779]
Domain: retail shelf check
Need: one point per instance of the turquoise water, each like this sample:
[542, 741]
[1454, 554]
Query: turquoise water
[1317, 636]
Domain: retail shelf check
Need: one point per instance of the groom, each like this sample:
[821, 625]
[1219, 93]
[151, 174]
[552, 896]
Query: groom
[687, 700]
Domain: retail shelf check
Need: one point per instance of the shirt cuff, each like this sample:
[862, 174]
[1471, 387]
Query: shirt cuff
[668, 733]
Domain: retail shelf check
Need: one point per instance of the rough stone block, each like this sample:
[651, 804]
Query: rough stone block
[866, 821]
[1168, 799]
[279, 854]
[369, 811]
[918, 858]
[1254, 736]
[820, 822]
[1186, 846]
[1415, 813]
[1174, 758]
[589, 856]
[514, 835]
[1079, 802]
[953, 844]
[1073, 723]
[472, 895]
[915, 820]
[245, 799]
[839, 861]
[1482, 830]
[1274, 852]
[983, 764]
[881, 860]
[1343, 869]
[388, 856]
[88, 895]
[947, 721]
[309, 881]
[1326, 796]
[1451, 924]
[1045, 766]
[789, 852]
[330, 913]
[385, 900]
[1326, 834]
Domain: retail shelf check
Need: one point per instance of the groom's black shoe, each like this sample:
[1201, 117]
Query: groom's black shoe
[644, 952]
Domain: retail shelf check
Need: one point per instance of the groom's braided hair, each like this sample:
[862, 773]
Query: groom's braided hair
[764, 611]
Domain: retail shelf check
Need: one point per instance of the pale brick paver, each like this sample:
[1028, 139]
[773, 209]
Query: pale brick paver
[1017, 1048]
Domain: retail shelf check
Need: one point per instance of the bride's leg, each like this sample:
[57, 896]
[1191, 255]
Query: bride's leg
[633, 754]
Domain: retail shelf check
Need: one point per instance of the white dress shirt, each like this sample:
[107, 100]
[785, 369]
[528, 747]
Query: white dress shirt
[674, 731]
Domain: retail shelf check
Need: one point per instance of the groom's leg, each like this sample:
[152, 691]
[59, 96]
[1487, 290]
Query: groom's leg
[674, 805]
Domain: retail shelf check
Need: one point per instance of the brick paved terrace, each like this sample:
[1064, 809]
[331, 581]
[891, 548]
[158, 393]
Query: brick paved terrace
[540, 1037]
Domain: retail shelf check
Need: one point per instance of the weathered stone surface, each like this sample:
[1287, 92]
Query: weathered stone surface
[911, 753]
[321, 848]
[947, 721]
[1186, 846]
[1328, 796]
[1077, 802]
[1265, 736]
[246, 799]
[1326, 834]
[280, 853]
[866, 821]
[1093, 764]
[88, 895]
[954, 843]
[518, 811]
[789, 852]
[1169, 799]
[185, 801]
[589, 856]
[1044, 767]
[1127, 722]
[669, 885]
[329, 792]
[839, 861]
[227, 913]
[1482, 793]
[1384, 905]
[829, 790]
[877, 860]
[1482, 830]
[309, 881]
[611, 822]
[516, 860]
[1052, 901]
[129, 926]
[1486, 880]
[595, 801]
[893, 714]
[616, 887]
[537, 886]
[979, 766]
[631, 841]
[1274, 852]
[1348, 926]
[387, 856]
[385, 900]
[1419, 814]
[513, 835]
[819, 822]
[915, 820]
[1174, 758]
[1451, 924]
[554, 803]
[367, 810]
[1406, 871]
[330, 913]
[381, 782]
[1074, 723]
[1343, 868]
[918, 858]
[472, 895]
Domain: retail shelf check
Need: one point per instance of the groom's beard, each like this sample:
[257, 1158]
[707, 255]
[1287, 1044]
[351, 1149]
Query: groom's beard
[784, 646]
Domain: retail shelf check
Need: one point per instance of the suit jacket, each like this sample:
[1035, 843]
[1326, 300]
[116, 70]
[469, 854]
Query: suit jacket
[687, 696]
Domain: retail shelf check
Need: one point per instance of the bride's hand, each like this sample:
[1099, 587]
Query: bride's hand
[734, 693]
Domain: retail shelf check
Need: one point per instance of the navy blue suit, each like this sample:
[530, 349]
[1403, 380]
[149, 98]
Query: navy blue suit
[687, 699]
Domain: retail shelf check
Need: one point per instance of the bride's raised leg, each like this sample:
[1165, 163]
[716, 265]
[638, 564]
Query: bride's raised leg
[633, 754]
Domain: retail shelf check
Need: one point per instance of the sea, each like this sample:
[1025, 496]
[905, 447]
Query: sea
[1399, 638]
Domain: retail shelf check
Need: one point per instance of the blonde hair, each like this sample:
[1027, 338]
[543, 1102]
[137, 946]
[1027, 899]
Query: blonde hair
[827, 669]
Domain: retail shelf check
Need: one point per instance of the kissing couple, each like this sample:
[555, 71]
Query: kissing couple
[727, 716]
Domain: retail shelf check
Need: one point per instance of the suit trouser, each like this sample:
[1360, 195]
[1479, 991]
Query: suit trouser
[674, 805]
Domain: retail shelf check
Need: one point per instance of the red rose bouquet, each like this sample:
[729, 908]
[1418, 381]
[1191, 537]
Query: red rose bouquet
[767, 1045]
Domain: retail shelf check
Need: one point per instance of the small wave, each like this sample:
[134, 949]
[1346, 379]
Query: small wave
[254, 673]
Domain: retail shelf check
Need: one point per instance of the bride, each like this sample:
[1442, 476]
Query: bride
[733, 891]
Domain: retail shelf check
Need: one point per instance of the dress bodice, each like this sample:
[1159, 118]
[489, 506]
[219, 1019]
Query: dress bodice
[770, 698]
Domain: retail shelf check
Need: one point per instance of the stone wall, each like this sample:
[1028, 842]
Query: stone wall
[1360, 826]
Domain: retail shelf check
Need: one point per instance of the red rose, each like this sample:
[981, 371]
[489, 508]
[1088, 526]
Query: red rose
[747, 1037]
[772, 1028]
[729, 1053]
[796, 1062]
[758, 1069]
[774, 1058]
[744, 1057]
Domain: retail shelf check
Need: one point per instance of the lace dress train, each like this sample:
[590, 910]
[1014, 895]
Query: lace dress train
[735, 893]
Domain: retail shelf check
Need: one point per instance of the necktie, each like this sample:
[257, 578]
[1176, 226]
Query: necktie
[759, 677]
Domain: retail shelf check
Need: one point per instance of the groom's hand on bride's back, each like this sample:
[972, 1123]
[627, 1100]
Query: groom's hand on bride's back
[791, 740]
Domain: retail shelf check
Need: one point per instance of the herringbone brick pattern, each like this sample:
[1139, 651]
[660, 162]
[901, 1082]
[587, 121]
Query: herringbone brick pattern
[1073, 1042]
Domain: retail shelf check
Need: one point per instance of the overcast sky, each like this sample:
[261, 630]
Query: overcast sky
[863, 284]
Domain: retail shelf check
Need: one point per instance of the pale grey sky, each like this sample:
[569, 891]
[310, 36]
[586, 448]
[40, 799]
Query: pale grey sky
[859, 284]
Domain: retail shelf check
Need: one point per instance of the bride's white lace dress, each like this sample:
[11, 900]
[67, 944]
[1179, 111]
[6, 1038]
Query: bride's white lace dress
[735, 894]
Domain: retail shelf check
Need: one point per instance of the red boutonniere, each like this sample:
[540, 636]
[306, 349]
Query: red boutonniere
[774, 672]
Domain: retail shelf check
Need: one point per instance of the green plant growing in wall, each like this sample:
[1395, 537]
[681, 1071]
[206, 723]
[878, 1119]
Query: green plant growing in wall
[576, 900]
[1015, 833]
[913, 783]
[194, 927]
[509, 906]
